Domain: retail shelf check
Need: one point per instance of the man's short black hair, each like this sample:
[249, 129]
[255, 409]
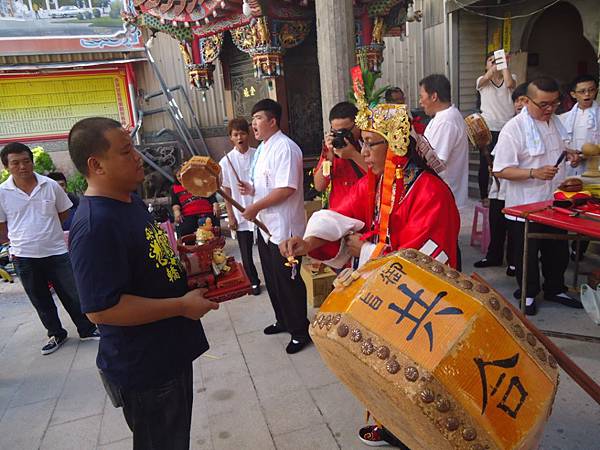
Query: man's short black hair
[57, 176]
[519, 91]
[544, 83]
[389, 94]
[583, 79]
[343, 110]
[14, 148]
[270, 107]
[439, 84]
[86, 138]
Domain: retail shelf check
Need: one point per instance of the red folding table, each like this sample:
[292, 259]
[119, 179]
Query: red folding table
[577, 227]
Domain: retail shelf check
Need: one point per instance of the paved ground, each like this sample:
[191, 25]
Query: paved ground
[249, 394]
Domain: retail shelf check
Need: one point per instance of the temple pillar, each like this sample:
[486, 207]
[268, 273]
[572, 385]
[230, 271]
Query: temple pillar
[335, 48]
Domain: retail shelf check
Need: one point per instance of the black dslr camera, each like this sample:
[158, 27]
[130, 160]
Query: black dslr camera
[338, 138]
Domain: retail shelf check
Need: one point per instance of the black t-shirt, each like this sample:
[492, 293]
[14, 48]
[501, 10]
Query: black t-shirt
[116, 248]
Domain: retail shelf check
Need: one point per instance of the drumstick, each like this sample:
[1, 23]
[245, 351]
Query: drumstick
[237, 177]
[560, 158]
[566, 363]
[230, 199]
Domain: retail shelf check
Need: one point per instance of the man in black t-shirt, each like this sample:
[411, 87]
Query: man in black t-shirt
[133, 286]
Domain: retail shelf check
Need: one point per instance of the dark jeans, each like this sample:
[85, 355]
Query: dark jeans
[498, 235]
[159, 417]
[35, 274]
[553, 254]
[245, 242]
[483, 176]
[288, 296]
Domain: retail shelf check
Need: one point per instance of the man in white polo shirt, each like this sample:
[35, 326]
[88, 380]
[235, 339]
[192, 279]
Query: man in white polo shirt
[526, 156]
[278, 191]
[32, 208]
[447, 134]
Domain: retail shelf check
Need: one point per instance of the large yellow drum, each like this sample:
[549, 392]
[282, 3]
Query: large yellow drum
[436, 357]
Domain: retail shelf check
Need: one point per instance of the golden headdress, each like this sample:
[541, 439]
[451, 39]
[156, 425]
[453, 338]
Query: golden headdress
[388, 120]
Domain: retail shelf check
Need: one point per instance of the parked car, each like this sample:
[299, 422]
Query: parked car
[65, 11]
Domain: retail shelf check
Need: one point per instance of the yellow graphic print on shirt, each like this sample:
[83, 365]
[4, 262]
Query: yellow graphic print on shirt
[162, 253]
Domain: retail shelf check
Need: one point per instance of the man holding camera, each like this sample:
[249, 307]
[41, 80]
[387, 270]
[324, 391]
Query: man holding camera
[341, 164]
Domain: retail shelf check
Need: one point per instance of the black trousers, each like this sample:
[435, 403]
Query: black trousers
[554, 257]
[288, 296]
[159, 417]
[498, 234]
[483, 176]
[245, 242]
[35, 274]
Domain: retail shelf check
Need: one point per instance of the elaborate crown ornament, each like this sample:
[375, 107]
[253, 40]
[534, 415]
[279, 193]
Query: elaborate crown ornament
[388, 120]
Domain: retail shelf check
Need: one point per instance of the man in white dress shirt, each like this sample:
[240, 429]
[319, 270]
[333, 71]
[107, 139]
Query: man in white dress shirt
[527, 151]
[447, 134]
[582, 124]
[277, 185]
[237, 163]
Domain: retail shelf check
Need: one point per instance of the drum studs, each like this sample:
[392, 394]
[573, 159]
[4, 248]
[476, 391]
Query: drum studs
[518, 330]
[469, 434]
[477, 447]
[343, 330]
[482, 288]
[427, 396]
[541, 354]
[453, 274]
[552, 361]
[452, 424]
[494, 303]
[410, 253]
[442, 405]
[392, 366]
[328, 321]
[507, 313]
[337, 318]
[437, 268]
[531, 340]
[383, 352]
[355, 335]
[465, 284]
[367, 347]
[425, 259]
[411, 373]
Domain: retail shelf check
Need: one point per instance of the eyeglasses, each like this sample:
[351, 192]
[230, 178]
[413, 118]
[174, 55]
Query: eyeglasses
[370, 145]
[555, 104]
[587, 91]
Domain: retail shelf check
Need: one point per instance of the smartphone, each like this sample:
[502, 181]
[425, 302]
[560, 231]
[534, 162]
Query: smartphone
[500, 57]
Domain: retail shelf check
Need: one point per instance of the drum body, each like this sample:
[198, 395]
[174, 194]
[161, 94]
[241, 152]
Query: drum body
[478, 131]
[436, 357]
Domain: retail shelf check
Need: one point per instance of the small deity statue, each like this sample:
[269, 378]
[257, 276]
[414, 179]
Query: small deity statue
[219, 262]
[204, 232]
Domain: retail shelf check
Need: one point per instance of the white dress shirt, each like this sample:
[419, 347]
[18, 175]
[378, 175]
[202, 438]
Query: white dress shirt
[34, 229]
[447, 134]
[510, 151]
[581, 134]
[241, 162]
[279, 165]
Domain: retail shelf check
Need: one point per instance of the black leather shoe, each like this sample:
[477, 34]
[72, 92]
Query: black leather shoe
[295, 346]
[511, 271]
[274, 329]
[531, 310]
[566, 301]
[486, 263]
[517, 294]
[256, 289]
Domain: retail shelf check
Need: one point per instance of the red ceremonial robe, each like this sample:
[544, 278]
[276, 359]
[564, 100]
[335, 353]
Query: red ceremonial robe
[426, 219]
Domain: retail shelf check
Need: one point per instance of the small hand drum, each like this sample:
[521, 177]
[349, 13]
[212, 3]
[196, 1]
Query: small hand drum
[200, 176]
[478, 131]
